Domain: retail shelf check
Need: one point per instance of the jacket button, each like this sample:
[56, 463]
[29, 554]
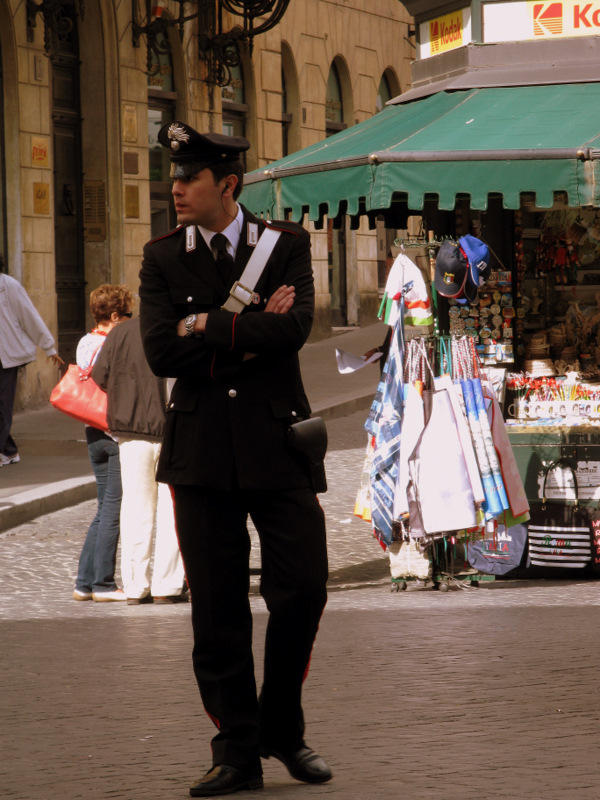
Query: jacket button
[171, 405]
[294, 414]
[189, 299]
[232, 393]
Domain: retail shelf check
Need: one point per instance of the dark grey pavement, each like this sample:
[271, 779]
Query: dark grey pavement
[469, 695]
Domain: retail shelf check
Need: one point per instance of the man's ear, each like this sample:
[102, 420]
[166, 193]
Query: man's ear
[231, 182]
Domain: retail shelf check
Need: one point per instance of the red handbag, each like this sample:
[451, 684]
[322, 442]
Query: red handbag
[77, 395]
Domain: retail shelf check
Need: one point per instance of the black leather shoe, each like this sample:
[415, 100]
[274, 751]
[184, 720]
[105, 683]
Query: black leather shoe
[224, 779]
[303, 764]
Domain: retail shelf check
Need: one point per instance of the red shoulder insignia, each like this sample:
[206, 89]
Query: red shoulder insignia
[166, 235]
[283, 225]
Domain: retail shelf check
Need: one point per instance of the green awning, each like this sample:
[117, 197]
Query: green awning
[479, 142]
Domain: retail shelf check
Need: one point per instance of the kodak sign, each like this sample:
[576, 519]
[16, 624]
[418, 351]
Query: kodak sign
[533, 19]
[445, 33]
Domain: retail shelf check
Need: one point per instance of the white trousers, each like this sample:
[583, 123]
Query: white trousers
[146, 503]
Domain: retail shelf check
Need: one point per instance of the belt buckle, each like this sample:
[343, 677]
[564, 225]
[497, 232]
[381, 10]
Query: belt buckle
[241, 293]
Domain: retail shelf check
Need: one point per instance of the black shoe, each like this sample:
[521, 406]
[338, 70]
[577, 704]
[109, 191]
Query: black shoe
[139, 601]
[224, 779]
[303, 764]
[171, 598]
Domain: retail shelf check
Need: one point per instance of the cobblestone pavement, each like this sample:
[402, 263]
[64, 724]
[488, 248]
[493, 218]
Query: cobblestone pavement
[469, 695]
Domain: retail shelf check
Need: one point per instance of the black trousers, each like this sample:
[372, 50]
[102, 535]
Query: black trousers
[215, 546]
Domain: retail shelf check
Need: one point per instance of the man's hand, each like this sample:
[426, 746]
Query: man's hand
[281, 300]
[57, 360]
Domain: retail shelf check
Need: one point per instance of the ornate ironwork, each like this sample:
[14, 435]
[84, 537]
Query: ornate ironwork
[154, 27]
[58, 21]
[219, 48]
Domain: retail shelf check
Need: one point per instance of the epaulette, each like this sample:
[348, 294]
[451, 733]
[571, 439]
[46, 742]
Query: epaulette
[283, 225]
[167, 234]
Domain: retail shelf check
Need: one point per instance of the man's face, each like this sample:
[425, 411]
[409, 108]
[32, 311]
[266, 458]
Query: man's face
[199, 201]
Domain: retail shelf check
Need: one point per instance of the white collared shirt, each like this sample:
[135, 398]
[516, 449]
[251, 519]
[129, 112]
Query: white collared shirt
[233, 232]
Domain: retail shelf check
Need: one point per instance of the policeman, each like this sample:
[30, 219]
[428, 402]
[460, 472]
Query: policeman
[228, 455]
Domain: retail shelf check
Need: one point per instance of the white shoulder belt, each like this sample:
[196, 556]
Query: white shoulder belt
[241, 292]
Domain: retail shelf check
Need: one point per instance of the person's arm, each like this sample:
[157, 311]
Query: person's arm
[270, 333]
[101, 369]
[227, 336]
[33, 324]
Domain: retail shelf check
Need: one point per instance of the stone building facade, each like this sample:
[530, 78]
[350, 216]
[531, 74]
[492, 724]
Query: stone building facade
[83, 184]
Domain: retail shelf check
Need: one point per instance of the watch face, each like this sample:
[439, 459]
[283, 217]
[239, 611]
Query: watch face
[189, 320]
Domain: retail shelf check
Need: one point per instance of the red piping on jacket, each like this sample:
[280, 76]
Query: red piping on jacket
[233, 330]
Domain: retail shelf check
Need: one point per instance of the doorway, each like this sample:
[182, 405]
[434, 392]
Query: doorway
[68, 210]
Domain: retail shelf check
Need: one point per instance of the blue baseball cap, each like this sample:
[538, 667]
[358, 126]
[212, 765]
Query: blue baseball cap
[478, 256]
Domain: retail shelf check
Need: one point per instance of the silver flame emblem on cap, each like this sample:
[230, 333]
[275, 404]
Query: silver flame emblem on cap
[177, 135]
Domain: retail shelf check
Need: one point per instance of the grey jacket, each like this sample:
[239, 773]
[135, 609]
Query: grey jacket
[136, 397]
[22, 330]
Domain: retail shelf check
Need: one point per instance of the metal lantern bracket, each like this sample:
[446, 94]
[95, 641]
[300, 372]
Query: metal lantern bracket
[57, 24]
[216, 46]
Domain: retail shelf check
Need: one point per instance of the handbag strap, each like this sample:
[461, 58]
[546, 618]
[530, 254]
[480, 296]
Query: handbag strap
[241, 292]
[84, 374]
[552, 466]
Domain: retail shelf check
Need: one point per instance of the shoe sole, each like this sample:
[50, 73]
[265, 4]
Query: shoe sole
[81, 597]
[252, 785]
[99, 599]
[167, 601]
[303, 778]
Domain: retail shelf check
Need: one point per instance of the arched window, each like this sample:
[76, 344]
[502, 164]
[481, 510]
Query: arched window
[235, 108]
[290, 103]
[3, 244]
[384, 93]
[286, 118]
[334, 106]
[162, 99]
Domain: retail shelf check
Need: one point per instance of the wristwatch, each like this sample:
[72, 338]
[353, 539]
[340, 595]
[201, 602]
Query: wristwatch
[190, 321]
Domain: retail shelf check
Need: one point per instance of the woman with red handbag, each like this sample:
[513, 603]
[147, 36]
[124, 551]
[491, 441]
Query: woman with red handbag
[109, 305]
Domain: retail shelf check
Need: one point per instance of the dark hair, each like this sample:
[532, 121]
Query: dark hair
[235, 167]
[109, 298]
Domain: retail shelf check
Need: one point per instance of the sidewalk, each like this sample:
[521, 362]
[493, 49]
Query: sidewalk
[55, 472]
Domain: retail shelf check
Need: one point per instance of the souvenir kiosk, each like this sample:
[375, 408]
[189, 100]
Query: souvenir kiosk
[534, 331]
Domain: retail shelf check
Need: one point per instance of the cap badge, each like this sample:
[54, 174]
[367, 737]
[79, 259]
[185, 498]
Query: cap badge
[177, 135]
[448, 277]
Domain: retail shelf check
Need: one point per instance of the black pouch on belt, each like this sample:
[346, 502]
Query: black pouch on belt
[309, 437]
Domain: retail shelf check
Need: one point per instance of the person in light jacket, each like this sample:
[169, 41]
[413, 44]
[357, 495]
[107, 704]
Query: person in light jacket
[22, 331]
[136, 418]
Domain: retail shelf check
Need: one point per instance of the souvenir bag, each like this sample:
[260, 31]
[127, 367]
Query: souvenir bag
[560, 535]
[439, 465]
[498, 551]
[78, 396]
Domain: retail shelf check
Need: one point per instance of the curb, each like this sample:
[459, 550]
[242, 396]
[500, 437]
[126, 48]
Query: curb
[55, 496]
[52, 497]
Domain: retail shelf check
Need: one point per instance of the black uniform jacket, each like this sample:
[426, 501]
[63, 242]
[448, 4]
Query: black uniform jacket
[229, 411]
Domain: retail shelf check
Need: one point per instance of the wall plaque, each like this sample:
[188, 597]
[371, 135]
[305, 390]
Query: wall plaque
[41, 198]
[130, 130]
[94, 211]
[39, 151]
[132, 202]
